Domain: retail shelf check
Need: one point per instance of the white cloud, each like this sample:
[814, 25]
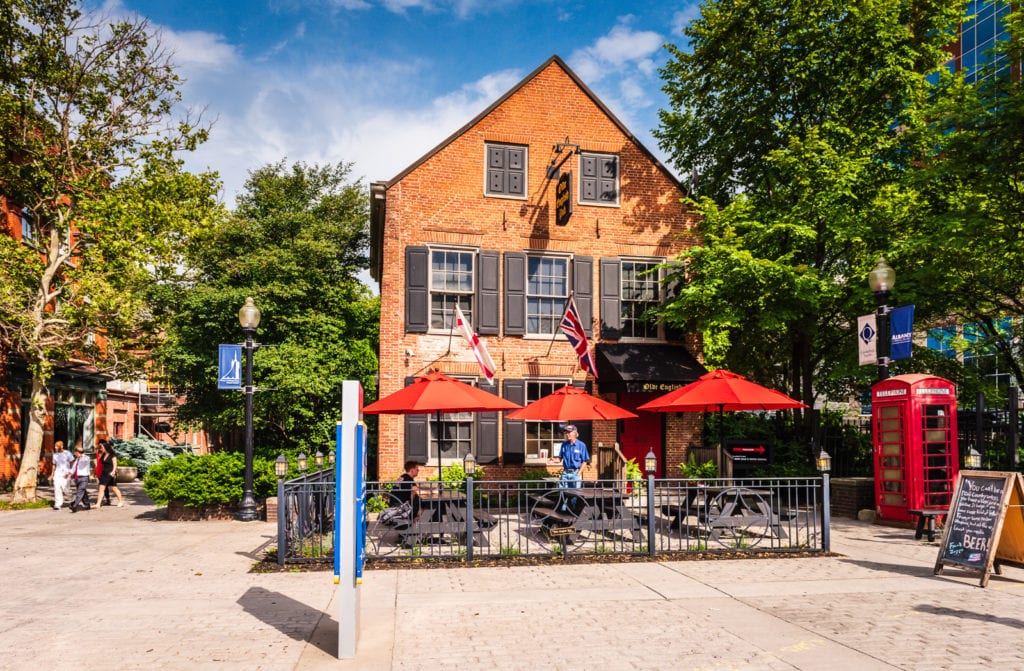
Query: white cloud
[621, 49]
[683, 17]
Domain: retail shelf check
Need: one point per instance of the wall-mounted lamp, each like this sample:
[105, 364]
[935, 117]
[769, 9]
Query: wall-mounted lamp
[554, 169]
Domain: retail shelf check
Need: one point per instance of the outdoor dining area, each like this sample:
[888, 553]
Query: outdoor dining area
[471, 518]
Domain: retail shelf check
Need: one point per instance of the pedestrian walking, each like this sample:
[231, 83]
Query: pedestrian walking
[107, 464]
[61, 469]
[80, 474]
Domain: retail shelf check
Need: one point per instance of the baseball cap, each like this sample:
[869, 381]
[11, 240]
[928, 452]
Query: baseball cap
[570, 427]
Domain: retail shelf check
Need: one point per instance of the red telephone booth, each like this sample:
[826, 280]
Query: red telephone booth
[915, 444]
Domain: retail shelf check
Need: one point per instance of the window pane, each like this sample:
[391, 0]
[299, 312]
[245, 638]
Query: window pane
[546, 292]
[542, 435]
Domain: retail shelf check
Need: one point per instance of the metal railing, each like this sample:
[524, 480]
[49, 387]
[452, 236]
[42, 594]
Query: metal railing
[494, 519]
[652, 517]
[305, 517]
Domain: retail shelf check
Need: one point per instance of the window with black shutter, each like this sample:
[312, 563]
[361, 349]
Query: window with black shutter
[506, 170]
[599, 179]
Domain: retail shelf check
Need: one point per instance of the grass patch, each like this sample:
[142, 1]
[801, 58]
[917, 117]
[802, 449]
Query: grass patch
[30, 505]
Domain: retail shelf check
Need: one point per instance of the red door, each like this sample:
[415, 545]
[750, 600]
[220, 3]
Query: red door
[643, 434]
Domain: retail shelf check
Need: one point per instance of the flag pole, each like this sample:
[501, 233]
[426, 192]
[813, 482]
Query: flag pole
[451, 331]
[555, 332]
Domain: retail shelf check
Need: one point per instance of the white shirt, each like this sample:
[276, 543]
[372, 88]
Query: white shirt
[62, 462]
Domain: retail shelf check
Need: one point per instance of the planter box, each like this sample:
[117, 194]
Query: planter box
[127, 473]
[179, 512]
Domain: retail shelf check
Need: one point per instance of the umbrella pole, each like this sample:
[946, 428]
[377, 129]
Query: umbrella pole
[440, 438]
[721, 443]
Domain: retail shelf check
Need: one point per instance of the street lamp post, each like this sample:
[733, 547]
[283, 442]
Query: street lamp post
[881, 280]
[249, 318]
[824, 464]
[281, 470]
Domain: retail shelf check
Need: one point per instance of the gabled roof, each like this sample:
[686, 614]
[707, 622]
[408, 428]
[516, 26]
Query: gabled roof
[490, 108]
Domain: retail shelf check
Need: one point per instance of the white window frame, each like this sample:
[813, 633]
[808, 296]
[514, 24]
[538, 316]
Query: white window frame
[26, 224]
[659, 287]
[526, 171]
[466, 297]
[539, 428]
[618, 180]
[552, 297]
[463, 419]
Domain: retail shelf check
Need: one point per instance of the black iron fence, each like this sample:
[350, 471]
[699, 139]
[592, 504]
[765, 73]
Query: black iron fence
[305, 518]
[491, 518]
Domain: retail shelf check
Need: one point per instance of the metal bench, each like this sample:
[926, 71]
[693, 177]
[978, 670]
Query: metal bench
[926, 521]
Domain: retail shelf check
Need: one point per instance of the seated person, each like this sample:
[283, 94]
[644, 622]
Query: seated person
[406, 490]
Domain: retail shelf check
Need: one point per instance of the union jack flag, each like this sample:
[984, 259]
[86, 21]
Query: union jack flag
[572, 326]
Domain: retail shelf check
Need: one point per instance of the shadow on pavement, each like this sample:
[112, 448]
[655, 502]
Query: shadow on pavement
[899, 569]
[970, 615]
[292, 618]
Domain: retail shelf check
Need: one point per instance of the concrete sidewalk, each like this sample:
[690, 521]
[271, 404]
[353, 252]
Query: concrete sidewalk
[123, 587]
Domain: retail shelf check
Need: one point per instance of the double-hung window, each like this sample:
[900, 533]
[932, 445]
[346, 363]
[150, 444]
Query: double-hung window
[506, 171]
[542, 438]
[452, 275]
[599, 179]
[641, 295]
[453, 435]
[547, 290]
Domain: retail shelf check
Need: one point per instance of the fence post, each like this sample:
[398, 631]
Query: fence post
[650, 515]
[826, 514]
[282, 514]
[1012, 437]
[979, 426]
[469, 517]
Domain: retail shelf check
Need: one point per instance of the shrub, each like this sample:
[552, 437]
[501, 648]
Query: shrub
[691, 469]
[126, 461]
[208, 479]
[145, 452]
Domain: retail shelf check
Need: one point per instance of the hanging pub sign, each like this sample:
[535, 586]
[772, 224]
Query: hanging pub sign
[563, 199]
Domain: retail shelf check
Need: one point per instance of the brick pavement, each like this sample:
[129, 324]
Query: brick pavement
[123, 587]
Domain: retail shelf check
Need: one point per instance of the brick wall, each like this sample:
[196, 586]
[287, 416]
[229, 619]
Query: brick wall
[441, 200]
[851, 495]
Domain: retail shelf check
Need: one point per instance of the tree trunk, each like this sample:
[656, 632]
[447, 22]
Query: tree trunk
[28, 473]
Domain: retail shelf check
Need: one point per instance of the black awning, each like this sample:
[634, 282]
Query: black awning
[635, 367]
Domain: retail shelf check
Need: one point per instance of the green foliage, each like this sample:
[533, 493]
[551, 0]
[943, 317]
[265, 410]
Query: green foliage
[784, 112]
[127, 462]
[694, 471]
[454, 476]
[208, 479]
[90, 151]
[143, 452]
[296, 244]
[532, 474]
[633, 471]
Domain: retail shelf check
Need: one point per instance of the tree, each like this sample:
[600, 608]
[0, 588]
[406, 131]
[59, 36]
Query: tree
[295, 243]
[88, 142]
[790, 116]
[972, 182]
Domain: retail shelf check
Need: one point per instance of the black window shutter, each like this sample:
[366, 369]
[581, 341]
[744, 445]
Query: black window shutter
[514, 449]
[416, 435]
[608, 180]
[514, 185]
[487, 430]
[583, 286]
[588, 178]
[487, 294]
[611, 311]
[417, 272]
[586, 429]
[515, 293]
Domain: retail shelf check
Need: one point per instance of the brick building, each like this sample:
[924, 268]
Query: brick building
[474, 222]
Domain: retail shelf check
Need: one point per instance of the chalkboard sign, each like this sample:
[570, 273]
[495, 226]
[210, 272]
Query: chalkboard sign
[976, 535]
[972, 522]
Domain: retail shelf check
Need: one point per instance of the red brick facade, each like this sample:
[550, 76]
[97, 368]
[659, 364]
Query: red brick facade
[441, 201]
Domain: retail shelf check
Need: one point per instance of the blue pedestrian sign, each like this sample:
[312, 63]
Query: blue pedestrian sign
[229, 367]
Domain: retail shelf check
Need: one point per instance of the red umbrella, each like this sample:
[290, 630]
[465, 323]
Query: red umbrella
[437, 393]
[721, 390]
[570, 403]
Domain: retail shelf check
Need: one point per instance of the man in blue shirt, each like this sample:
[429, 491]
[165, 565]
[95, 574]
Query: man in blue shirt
[574, 454]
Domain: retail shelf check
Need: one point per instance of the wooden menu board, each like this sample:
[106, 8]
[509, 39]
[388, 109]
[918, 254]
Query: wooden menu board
[985, 525]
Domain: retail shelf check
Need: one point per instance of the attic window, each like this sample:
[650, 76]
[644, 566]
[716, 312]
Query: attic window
[506, 171]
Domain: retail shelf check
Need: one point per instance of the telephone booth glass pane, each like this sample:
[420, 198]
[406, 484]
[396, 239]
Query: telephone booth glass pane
[892, 483]
[937, 456]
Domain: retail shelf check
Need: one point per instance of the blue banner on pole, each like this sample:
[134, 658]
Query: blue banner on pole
[229, 367]
[901, 326]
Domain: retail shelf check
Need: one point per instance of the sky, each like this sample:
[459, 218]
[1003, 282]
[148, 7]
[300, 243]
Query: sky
[378, 83]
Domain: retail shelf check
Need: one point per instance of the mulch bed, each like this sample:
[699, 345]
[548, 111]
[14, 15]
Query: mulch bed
[269, 563]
